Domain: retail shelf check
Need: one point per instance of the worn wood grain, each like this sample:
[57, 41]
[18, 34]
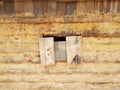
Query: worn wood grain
[90, 6]
[71, 8]
[28, 8]
[61, 8]
[60, 68]
[81, 6]
[50, 54]
[51, 7]
[72, 45]
[38, 7]
[42, 51]
[9, 6]
[19, 7]
[1, 7]
[47, 51]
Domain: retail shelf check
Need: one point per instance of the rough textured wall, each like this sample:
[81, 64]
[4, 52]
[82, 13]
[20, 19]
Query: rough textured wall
[20, 67]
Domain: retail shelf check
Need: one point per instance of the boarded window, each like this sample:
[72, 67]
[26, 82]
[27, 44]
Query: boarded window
[60, 49]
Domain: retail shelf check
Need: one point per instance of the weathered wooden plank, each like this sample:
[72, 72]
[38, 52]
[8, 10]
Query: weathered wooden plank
[58, 68]
[81, 6]
[9, 6]
[63, 78]
[47, 54]
[72, 48]
[1, 7]
[105, 6]
[61, 8]
[71, 8]
[116, 7]
[98, 5]
[112, 5]
[90, 6]
[49, 48]
[119, 6]
[51, 7]
[60, 51]
[56, 86]
[19, 7]
[42, 51]
[28, 7]
[38, 7]
[101, 56]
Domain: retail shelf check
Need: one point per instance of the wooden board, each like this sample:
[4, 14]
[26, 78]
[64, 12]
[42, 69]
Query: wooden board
[60, 51]
[47, 55]
[1, 7]
[116, 6]
[28, 7]
[37, 5]
[9, 6]
[98, 5]
[71, 7]
[112, 4]
[61, 8]
[81, 6]
[19, 7]
[119, 6]
[73, 45]
[51, 7]
[90, 6]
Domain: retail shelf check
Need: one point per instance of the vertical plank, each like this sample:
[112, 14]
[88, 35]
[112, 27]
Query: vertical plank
[9, 6]
[90, 6]
[72, 47]
[80, 47]
[61, 8]
[50, 55]
[47, 55]
[44, 6]
[81, 6]
[112, 4]
[19, 7]
[99, 5]
[37, 5]
[42, 51]
[28, 7]
[1, 7]
[105, 5]
[71, 7]
[116, 6]
[119, 6]
[51, 7]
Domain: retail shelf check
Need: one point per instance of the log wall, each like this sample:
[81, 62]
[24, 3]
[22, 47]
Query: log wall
[20, 58]
[20, 64]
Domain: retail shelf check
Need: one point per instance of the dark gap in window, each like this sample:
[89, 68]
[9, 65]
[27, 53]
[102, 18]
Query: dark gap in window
[57, 39]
